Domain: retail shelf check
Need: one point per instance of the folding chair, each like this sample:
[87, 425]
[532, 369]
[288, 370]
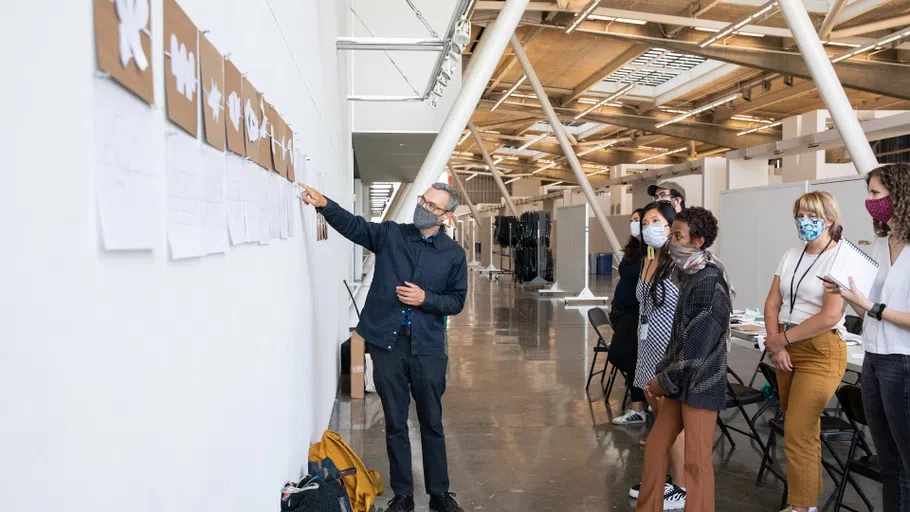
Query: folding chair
[739, 395]
[598, 318]
[851, 402]
[832, 429]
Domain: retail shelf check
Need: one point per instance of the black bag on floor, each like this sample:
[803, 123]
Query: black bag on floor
[311, 494]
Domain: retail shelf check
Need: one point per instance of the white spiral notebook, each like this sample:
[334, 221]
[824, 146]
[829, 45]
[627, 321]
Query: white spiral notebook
[850, 261]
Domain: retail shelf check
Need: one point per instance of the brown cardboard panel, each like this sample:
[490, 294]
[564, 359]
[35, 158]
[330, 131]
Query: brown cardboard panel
[265, 131]
[213, 113]
[181, 70]
[136, 49]
[233, 108]
[358, 365]
[278, 151]
[292, 162]
[251, 118]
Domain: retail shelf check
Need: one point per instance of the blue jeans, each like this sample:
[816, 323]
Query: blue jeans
[886, 400]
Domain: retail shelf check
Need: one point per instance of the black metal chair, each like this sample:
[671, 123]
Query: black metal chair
[599, 318]
[851, 402]
[738, 396]
[833, 429]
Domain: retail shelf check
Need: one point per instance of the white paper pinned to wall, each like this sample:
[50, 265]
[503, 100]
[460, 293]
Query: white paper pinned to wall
[237, 183]
[275, 206]
[185, 208]
[125, 187]
[283, 207]
[263, 233]
[214, 202]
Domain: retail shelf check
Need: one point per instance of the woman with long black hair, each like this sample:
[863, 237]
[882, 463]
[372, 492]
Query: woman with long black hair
[658, 294]
[624, 318]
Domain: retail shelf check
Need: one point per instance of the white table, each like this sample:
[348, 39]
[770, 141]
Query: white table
[855, 353]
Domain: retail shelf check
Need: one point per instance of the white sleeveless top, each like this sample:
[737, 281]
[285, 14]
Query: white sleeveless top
[891, 288]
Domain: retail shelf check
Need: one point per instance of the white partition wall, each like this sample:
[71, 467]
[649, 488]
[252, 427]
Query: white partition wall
[485, 237]
[756, 228]
[571, 273]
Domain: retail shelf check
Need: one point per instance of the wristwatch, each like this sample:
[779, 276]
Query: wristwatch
[877, 311]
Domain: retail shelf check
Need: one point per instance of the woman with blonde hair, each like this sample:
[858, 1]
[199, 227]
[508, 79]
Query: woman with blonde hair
[805, 339]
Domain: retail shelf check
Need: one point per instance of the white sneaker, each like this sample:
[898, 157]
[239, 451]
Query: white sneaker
[630, 418]
[674, 497]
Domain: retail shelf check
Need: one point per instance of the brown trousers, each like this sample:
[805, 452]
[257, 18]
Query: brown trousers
[699, 424]
[819, 364]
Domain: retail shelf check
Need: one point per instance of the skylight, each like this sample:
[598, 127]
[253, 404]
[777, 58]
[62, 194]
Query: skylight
[648, 69]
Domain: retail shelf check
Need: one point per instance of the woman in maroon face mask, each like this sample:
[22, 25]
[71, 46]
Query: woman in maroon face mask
[886, 331]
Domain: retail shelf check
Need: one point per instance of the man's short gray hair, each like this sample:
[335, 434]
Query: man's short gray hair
[453, 195]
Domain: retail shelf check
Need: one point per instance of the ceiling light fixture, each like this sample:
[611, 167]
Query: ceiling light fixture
[509, 92]
[464, 137]
[734, 27]
[618, 20]
[598, 147]
[608, 99]
[544, 168]
[846, 45]
[582, 15]
[878, 44]
[698, 110]
[512, 180]
[759, 128]
[535, 140]
[666, 153]
[714, 30]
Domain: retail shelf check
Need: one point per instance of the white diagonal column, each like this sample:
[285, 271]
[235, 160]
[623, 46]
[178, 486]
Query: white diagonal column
[483, 63]
[828, 84]
[467, 200]
[493, 171]
[567, 147]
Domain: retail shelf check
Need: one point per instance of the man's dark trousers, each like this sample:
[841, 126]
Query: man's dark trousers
[398, 374]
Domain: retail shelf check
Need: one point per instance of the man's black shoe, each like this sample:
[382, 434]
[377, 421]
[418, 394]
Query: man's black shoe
[401, 504]
[444, 503]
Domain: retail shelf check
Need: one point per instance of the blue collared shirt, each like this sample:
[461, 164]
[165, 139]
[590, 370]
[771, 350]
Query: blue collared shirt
[406, 319]
[436, 264]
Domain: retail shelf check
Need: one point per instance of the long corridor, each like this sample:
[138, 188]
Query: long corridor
[522, 433]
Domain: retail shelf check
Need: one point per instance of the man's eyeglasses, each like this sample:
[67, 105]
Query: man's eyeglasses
[433, 207]
[664, 196]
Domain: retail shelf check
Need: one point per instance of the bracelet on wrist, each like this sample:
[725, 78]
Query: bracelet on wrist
[786, 338]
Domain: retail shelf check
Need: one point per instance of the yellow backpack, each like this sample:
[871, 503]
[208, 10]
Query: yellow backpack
[364, 485]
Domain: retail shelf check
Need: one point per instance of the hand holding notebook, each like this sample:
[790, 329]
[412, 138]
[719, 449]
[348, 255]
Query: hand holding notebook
[851, 262]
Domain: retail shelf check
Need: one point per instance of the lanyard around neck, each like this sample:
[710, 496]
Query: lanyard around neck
[794, 291]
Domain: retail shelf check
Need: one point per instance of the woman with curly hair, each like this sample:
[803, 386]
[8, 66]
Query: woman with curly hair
[691, 378]
[886, 331]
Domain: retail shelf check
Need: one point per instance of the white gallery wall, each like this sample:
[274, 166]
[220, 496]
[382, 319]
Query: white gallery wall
[131, 380]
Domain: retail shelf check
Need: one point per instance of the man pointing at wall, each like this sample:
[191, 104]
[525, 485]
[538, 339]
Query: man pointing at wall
[420, 278]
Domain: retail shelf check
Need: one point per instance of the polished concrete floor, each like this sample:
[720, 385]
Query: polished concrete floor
[522, 433]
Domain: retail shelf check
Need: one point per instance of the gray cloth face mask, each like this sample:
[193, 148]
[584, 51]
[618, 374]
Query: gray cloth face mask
[423, 218]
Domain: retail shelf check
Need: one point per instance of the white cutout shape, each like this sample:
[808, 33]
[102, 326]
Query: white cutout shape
[183, 67]
[252, 122]
[214, 100]
[233, 105]
[290, 149]
[264, 126]
[134, 16]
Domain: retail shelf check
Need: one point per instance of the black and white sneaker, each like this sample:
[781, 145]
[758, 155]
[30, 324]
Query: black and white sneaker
[630, 418]
[674, 497]
[635, 489]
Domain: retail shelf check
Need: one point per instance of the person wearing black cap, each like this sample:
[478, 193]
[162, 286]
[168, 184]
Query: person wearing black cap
[670, 192]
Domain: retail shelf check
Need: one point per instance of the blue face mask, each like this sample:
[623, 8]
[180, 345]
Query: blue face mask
[655, 235]
[809, 229]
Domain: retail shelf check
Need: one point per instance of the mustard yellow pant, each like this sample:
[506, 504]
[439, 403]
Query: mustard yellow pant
[819, 364]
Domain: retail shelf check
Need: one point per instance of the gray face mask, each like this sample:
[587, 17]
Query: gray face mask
[423, 218]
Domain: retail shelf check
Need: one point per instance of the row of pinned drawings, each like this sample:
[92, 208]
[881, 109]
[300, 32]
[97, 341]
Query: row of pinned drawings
[236, 115]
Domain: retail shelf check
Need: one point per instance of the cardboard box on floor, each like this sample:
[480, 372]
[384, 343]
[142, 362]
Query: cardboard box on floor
[358, 365]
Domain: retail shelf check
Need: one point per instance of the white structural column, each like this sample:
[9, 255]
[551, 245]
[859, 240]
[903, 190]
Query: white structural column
[483, 63]
[493, 171]
[566, 147]
[828, 84]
